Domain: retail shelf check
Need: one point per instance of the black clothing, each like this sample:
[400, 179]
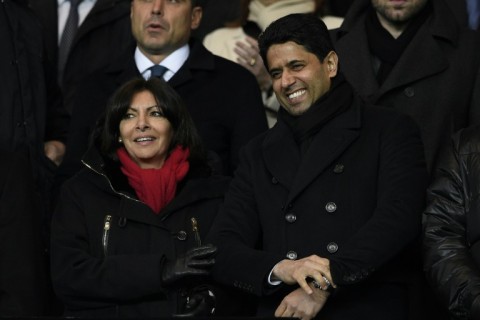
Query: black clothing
[452, 226]
[108, 248]
[354, 198]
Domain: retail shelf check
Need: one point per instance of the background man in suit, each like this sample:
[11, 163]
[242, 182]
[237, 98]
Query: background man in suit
[330, 196]
[222, 97]
[102, 32]
[412, 56]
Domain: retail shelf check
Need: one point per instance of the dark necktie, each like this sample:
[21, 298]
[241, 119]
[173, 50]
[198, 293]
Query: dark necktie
[68, 35]
[158, 71]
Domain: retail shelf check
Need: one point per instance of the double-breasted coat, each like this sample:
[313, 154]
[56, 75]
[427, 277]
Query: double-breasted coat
[435, 81]
[108, 248]
[355, 198]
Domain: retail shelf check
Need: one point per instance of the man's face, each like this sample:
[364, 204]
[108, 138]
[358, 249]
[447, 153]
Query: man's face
[162, 26]
[398, 11]
[298, 77]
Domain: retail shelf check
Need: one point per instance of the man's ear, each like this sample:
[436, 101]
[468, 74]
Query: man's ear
[197, 13]
[332, 63]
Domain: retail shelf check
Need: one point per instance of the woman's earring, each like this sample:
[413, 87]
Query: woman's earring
[120, 140]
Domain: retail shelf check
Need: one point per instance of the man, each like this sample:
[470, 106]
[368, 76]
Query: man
[329, 199]
[33, 128]
[103, 33]
[413, 57]
[221, 96]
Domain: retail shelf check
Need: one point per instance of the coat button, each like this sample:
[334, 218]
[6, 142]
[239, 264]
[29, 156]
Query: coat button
[182, 235]
[409, 92]
[332, 247]
[292, 255]
[274, 180]
[331, 207]
[291, 217]
[338, 168]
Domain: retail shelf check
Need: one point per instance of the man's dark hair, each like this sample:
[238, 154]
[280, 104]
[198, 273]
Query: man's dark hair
[306, 30]
[199, 3]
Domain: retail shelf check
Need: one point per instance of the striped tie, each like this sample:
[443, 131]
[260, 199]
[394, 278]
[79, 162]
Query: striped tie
[68, 35]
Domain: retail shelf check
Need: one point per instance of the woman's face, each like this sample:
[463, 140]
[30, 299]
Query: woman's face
[146, 134]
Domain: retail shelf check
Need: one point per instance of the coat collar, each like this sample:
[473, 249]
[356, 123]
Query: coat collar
[112, 180]
[200, 59]
[297, 173]
[441, 26]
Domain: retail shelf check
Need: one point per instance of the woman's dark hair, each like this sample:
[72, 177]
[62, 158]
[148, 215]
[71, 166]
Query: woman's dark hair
[169, 103]
[305, 29]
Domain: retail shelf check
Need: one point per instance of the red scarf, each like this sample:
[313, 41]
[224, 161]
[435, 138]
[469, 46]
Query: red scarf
[156, 187]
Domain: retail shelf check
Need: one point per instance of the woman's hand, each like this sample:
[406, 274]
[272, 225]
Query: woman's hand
[249, 57]
[195, 262]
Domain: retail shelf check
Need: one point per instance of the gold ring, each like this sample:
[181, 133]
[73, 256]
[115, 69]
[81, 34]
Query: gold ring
[253, 61]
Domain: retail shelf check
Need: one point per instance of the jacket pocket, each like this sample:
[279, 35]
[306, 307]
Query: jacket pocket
[106, 232]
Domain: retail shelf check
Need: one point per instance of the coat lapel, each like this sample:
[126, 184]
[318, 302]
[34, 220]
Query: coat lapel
[295, 173]
[281, 155]
[412, 67]
[363, 78]
[102, 13]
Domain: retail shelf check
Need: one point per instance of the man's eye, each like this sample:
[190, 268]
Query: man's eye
[297, 66]
[275, 74]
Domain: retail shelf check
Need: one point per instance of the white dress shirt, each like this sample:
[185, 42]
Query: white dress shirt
[173, 62]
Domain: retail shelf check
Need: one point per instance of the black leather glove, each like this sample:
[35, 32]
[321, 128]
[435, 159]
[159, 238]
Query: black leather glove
[195, 262]
[200, 303]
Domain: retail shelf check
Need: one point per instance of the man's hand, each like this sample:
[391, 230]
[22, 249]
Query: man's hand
[299, 304]
[54, 150]
[297, 271]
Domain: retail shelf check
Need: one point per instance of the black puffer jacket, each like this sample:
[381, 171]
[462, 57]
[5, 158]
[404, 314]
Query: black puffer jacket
[452, 226]
[108, 247]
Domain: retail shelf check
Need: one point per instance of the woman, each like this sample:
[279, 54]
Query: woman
[127, 232]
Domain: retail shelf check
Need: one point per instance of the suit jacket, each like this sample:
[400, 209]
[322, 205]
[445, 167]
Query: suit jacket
[222, 97]
[102, 36]
[436, 80]
[355, 198]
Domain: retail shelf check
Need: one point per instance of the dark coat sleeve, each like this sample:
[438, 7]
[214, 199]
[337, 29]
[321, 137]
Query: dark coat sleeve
[448, 262]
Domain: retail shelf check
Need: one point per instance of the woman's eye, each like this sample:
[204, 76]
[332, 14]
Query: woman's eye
[156, 114]
[128, 116]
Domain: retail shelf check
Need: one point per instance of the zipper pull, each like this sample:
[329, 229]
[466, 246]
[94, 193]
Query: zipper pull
[198, 240]
[106, 230]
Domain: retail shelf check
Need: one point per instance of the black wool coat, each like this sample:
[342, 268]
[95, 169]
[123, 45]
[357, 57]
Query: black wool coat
[355, 198]
[108, 248]
[436, 81]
